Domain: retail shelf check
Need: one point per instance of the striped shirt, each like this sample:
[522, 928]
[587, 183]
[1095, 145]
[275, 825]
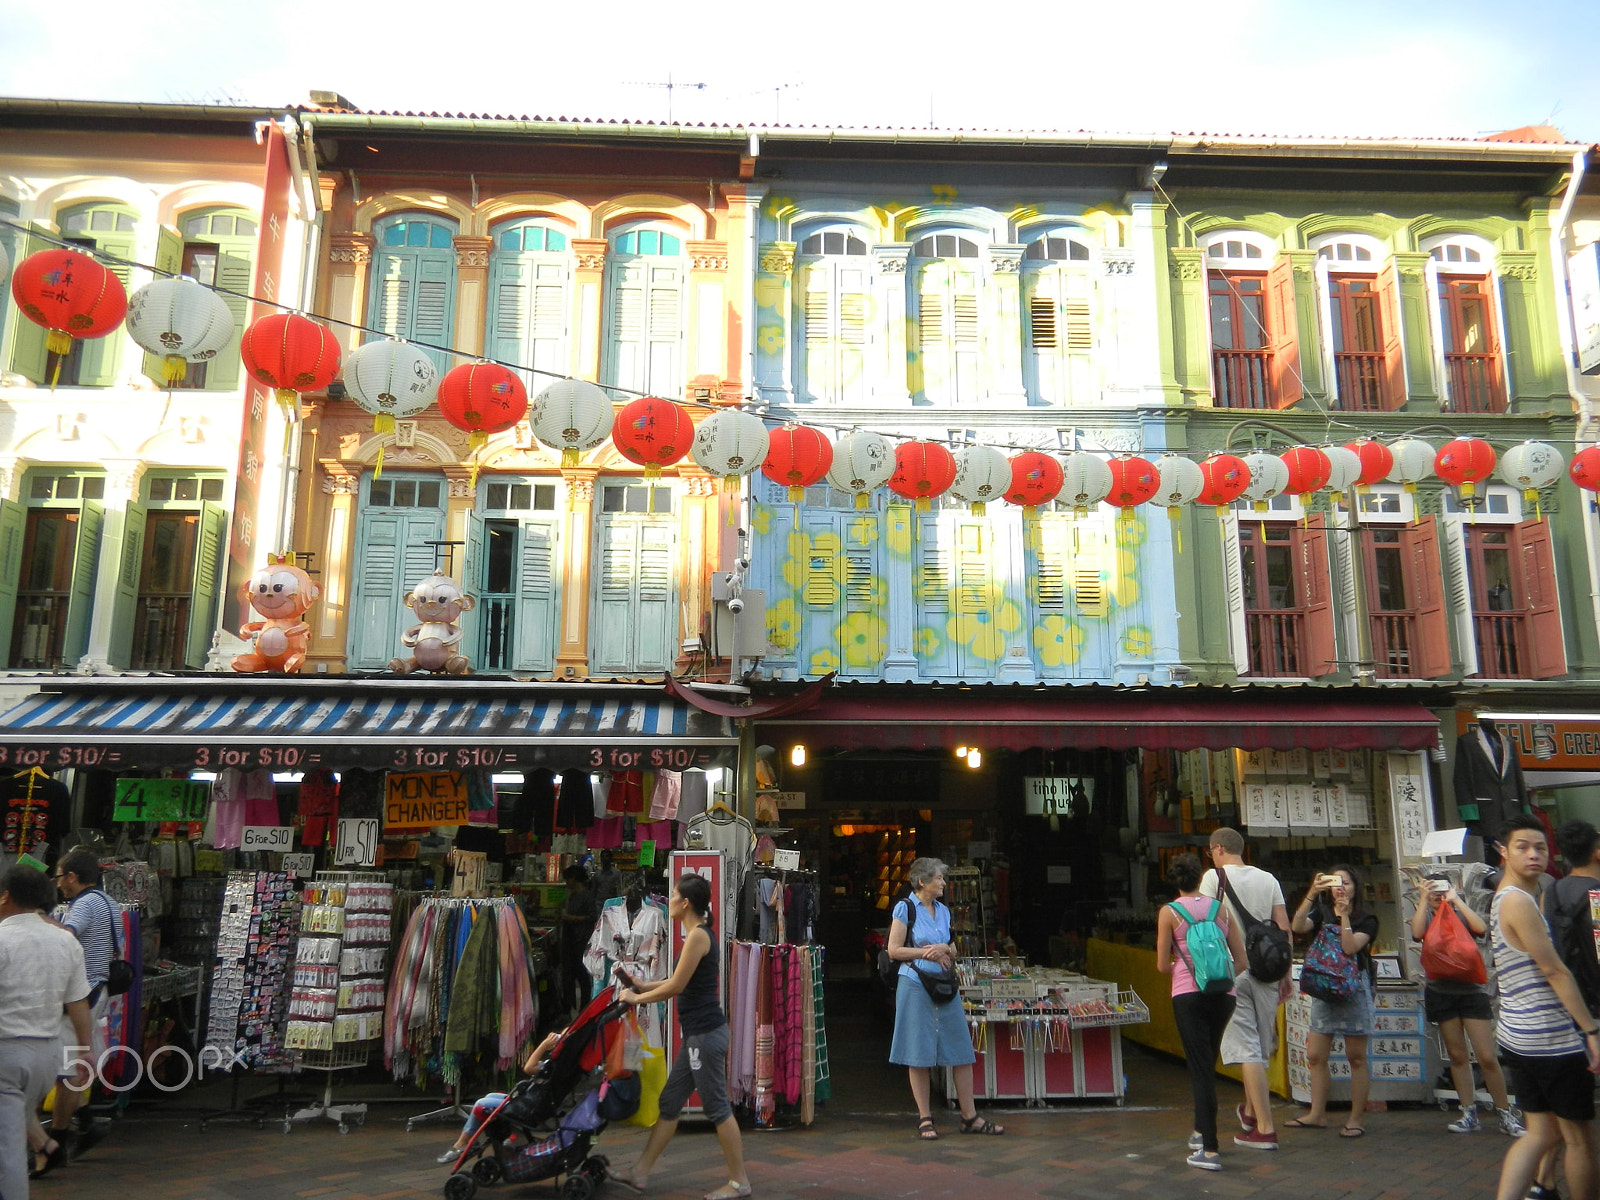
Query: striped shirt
[1533, 1021]
[92, 916]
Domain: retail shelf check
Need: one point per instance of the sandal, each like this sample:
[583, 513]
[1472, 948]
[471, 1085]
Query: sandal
[52, 1159]
[733, 1191]
[926, 1131]
[1352, 1131]
[981, 1124]
[1297, 1123]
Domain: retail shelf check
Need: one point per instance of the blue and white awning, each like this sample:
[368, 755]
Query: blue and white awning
[303, 724]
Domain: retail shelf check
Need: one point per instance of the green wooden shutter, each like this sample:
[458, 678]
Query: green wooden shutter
[534, 627]
[374, 636]
[98, 358]
[28, 354]
[414, 298]
[85, 568]
[205, 594]
[613, 615]
[654, 617]
[509, 302]
[472, 585]
[169, 258]
[13, 523]
[125, 602]
[233, 273]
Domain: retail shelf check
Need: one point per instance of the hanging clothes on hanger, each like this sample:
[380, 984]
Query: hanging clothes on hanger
[634, 939]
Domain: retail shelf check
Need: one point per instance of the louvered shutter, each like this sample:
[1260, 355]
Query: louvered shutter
[1091, 564]
[1283, 327]
[628, 355]
[98, 358]
[1233, 579]
[1316, 598]
[932, 340]
[534, 626]
[395, 283]
[853, 334]
[548, 331]
[169, 260]
[205, 592]
[820, 333]
[374, 634]
[13, 525]
[1458, 591]
[125, 602]
[28, 354]
[85, 570]
[665, 332]
[233, 273]
[1545, 639]
[654, 613]
[1425, 579]
[435, 303]
[932, 599]
[510, 303]
[974, 570]
[1387, 287]
[860, 596]
[966, 336]
[614, 596]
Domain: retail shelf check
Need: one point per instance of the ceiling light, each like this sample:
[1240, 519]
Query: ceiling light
[797, 756]
[974, 758]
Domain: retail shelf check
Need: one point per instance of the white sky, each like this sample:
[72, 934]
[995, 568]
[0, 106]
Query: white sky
[1359, 67]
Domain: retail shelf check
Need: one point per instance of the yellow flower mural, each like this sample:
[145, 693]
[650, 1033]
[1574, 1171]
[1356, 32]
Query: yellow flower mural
[770, 339]
[983, 619]
[928, 642]
[898, 541]
[823, 661]
[769, 290]
[761, 518]
[863, 531]
[784, 621]
[1058, 641]
[862, 637]
[1138, 642]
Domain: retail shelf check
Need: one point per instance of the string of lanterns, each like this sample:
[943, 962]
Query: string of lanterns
[72, 296]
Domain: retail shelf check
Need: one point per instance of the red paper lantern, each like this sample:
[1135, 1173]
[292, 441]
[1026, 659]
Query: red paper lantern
[291, 355]
[1035, 479]
[797, 457]
[1377, 460]
[922, 469]
[1226, 477]
[482, 398]
[70, 294]
[1133, 481]
[1584, 469]
[1464, 463]
[653, 432]
[1309, 469]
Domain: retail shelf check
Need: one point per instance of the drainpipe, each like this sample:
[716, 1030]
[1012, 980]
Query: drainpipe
[302, 159]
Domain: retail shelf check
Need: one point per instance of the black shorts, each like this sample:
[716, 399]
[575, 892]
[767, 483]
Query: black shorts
[1448, 1006]
[1561, 1085]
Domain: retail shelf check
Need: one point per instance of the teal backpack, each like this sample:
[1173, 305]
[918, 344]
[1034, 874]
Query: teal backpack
[1209, 960]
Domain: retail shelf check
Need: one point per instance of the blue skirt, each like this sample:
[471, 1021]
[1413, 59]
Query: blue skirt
[928, 1034]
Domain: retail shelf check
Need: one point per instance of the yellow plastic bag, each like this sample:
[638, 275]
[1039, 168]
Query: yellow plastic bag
[652, 1078]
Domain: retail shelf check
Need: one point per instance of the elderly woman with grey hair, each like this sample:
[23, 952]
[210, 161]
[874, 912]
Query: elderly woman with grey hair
[927, 1034]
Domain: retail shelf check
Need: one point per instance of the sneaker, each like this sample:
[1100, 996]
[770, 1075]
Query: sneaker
[1511, 1123]
[1468, 1123]
[1196, 1142]
[1540, 1192]
[1206, 1162]
[1246, 1121]
[450, 1155]
[1254, 1139]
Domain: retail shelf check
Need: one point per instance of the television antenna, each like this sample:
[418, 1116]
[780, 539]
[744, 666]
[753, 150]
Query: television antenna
[670, 86]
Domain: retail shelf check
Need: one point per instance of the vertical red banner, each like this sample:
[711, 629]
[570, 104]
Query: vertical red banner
[244, 547]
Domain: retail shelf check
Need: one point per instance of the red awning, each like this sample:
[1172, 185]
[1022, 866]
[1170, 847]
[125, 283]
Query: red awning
[1085, 719]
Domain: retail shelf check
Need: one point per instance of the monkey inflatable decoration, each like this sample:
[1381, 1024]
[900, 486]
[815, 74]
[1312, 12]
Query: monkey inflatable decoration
[281, 592]
[434, 644]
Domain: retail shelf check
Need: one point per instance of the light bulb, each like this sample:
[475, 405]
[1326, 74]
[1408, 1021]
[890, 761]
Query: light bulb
[974, 758]
[797, 756]
[961, 751]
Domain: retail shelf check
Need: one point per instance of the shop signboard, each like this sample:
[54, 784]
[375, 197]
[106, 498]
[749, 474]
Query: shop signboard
[1407, 794]
[414, 800]
[789, 800]
[160, 800]
[1553, 745]
[911, 782]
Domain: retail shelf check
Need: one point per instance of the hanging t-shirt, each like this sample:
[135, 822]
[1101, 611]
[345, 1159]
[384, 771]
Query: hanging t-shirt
[537, 814]
[729, 832]
[226, 821]
[36, 810]
[317, 807]
[627, 793]
[693, 791]
[361, 794]
[606, 834]
[601, 785]
[664, 797]
[659, 832]
[575, 807]
[260, 796]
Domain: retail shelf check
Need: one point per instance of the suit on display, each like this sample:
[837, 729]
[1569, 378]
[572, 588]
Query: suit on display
[1488, 780]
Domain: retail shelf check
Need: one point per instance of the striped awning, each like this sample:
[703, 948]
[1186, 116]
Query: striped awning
[303, 724]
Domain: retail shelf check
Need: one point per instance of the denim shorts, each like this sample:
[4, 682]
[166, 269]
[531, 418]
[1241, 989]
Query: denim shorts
[1352, 1017]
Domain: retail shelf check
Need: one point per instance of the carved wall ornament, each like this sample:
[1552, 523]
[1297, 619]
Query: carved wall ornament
[777, 258]
[589, 253]
[460, 489]
[1523, 272]
[345, 484]
[580, 488]
[350, 248]
[472, 258]
[1186, 270]
[405, 433]
[1117, 262]
[892, 260]
[707, 256]
[1005, 260]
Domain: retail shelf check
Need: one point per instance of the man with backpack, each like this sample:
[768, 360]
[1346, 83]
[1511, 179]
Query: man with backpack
[1255, 899]
[1567, 907]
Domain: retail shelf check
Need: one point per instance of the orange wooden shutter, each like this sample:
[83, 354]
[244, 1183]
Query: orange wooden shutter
[1316, 596]
[1394, 364]
[1283, 327]
[1547, 655]
[1425, 580]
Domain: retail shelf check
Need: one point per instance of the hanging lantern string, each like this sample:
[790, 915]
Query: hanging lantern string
[775, 414]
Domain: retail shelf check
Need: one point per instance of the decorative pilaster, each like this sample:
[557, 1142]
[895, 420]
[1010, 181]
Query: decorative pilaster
[122, 559]
[340, 485]
[349, 263]
[711, 345]
[572, 659]
[472, 291]
[1005, 334]
[773, 316]
[889, 375]
[588, 295]
[1184, 313]
[1532, 344]
[1307, 318]
[1416, 328]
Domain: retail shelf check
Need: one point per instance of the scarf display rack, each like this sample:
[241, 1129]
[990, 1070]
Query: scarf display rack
[777, 1036]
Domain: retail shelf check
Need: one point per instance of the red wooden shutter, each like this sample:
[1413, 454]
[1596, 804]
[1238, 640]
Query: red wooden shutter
[1394, 363]
[1316, 596]
[1547, 654]
[1425, 581]
[1284, 329]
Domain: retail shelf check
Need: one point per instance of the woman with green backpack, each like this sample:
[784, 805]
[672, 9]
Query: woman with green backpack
[1202, 951]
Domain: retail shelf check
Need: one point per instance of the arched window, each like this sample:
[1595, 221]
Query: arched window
[1345, 252]
[833, 279]
[217, 248]
[109, 228]
[1459, 269]
[530, 271]
[949, 285]
[645, 275]
[414, 280]
[1058, 331]
[1361, 321]
[1451, 254]
[1056, 247]
[1234, 248]
[1252, 338]
[944, 245]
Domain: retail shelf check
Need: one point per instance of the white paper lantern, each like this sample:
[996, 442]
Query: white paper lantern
[982, 474]
[392, 380]
[1268, 476]
[1413, 462]
[1531, 466]
[572, 415]
[1085, 481]
[1346, 469]
[179, 319]
[1181, 482]
[862, 462]
[732, 444]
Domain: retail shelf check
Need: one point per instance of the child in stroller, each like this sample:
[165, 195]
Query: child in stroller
[484, 1153]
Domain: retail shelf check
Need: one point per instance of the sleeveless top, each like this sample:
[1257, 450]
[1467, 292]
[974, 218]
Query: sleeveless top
[699, 1006]
[1197, 907]
[1533, 1021]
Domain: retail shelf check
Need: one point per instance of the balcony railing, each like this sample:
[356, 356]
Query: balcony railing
[1393, 635]
[1501, 650]
[1276, 639]
[1474, 384]
[495, 613]
[160, 633]
[1360, 377]
[41, 624]
[1243, 378]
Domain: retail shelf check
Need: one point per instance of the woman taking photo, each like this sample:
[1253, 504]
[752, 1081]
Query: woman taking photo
[702, 1062]
[1201, 1017]
[928, 1035]
[1333, 903]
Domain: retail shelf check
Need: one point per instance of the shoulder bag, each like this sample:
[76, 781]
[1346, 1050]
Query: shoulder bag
[943, 985]
[1266, 947]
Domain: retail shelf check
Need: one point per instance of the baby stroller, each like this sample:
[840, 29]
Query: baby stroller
[538, 1100]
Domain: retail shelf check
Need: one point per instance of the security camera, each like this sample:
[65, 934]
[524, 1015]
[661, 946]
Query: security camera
[736, 605]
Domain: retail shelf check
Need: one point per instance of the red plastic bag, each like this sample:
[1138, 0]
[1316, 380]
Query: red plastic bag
[1449, 951]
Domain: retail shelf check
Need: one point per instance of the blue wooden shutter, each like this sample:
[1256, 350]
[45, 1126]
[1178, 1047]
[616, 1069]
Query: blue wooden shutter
[509, 302]
[125, 603]
[435, 302]
[628, 355]
[534, 625]
[85, 569]
[654, 614]
[13, 523]
[206, 591]
[613, 615]
[472, 621]
[374, 635]
[413, 296]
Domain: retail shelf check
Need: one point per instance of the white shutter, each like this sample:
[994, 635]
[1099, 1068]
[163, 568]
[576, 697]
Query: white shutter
[549, 318]
[1458, 594]
[628, 356]
[1233, 579]
[666, 333]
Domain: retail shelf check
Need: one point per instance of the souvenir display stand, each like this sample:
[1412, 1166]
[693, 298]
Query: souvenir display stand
[1398, 1051]
[1043, 1034]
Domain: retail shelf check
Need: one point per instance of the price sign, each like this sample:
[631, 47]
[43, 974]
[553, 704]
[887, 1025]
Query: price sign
[160, 800]
[299, 865]
[647, 854]
[786, 860]
[357, 844]
[267, 837]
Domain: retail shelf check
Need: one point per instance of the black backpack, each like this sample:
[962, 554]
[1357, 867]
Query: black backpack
[888, 968]
[1266, 947]
[1572, 931]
